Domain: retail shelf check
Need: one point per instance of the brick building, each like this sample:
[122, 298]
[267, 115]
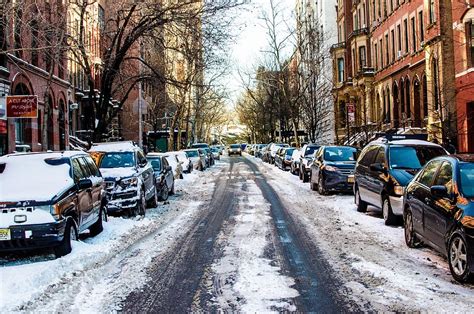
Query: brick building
[395, 69]
[32, 62]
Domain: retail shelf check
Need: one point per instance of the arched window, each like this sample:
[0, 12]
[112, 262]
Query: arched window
[407, 98]
[425, 97]
[23, 131]
[417, 102]
[62, 125]
[435, 69]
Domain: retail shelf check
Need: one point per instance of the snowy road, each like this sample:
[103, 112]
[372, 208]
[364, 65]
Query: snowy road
[242, 236]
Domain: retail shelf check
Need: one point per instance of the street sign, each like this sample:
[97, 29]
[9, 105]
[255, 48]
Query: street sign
[22, 106]
[351, 112]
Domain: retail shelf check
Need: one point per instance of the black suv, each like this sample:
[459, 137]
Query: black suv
[333, 169]
[129, 177]
[47, 199]
[385, 167]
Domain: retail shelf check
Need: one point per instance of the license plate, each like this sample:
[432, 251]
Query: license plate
[350, 179]
[5, 235]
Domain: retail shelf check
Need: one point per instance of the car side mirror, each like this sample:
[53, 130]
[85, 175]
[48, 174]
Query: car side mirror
[377, 167]
[439, 191]
[143, 164]
[168, 168]
[84, 184]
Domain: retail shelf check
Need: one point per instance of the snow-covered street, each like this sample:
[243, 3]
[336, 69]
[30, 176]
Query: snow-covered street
[241, 236]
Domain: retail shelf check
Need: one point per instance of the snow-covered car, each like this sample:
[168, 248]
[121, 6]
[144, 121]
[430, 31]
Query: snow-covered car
[163, 174]
[129, 177]
[215, 153]
[274, 147]
[306, 158]
[186, 163]
[295, 162]
[197, 157]
[175, 164]
[47, 199]
[283, 157]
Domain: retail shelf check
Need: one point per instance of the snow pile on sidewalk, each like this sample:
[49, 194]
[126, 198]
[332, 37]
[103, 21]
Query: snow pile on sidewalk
[250, 282]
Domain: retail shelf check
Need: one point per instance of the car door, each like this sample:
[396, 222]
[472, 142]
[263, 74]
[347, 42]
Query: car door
[84, 196]
[363, 175]
[316, 164]
[424, 199]
[377, 179]
[167, 173]
[97, 186]
[440, 211]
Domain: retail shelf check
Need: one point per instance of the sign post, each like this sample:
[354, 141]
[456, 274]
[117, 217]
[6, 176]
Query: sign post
[22, 106]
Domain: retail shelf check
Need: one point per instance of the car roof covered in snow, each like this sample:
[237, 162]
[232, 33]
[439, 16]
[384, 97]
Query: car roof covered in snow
[125, 146]
[405, 142]
[35, 176]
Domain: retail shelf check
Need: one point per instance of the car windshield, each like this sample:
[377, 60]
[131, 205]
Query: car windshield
[155, 163]
[339, 154]
[290, 151]
[192, 153]
[117, 160]
[215, 149]
[467, 179]
[413, 157]
[310, 150]
[235, 146]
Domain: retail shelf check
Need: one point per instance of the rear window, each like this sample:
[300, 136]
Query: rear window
[413, 157]
[310, 150]
[235, 146]
[467, 179]
[192, 153]
[155, 163]
[289, 152]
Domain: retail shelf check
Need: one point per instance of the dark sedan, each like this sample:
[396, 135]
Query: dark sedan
[163, 174]
[333, 169]
[439, 211]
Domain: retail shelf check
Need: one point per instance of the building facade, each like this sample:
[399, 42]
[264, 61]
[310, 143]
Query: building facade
[32, 62]
[394, 69]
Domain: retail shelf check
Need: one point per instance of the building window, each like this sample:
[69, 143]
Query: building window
[432, 12]
[470, 44]
[3, 41]
[413, 33]
[34, 42]
[435, 70]
[387, 57]
[376, 55]
[405, 25]
[17, 32]
[392, 33]
[340, 70]
[399, 36]
[362, 57]
[381, 53]
[421, 27]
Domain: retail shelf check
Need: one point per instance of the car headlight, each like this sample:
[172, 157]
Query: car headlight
[330, 168]
[398, 190]
[54, 210]
[133, 181]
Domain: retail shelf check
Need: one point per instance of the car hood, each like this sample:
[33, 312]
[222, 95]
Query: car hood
[403, 177]
[118, 173]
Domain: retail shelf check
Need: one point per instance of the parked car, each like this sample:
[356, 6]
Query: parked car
[306, 158]
[186, 162]
[295, 162]
[47, 199]
[260, 152]
[176, 165]
[383, 170]
[200, 145]
[164, 177]
[197, 157]
[209, 157]
[216, 155]
[274, 147]
[439, 211]
[219, 147]
[129, 177]
[332, 169]
[283, 158]
[22, 148]
[234, 149]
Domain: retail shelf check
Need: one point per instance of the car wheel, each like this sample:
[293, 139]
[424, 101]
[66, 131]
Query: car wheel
[97, 227]
[164, 193]
[301, 175]
[388, 215]
[458, 258]
[360, 204]
[313, 186]
[70, 234]
[153, 203]
[172, 189]
[141, 206]
[410, 237]
[321, 187]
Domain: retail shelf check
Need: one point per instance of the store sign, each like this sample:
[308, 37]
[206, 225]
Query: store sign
[3, 108]
[22, 106]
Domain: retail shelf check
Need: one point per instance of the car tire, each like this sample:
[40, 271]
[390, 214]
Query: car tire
[314, 186]
[360, 204]
[301, 175]
[411, 239]
[98, 226]
[153, 202]
[305, 177]
[389, 217]
[321, 188]
[172, 189]
[458, 258]
[164, 193]
[70, 234]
